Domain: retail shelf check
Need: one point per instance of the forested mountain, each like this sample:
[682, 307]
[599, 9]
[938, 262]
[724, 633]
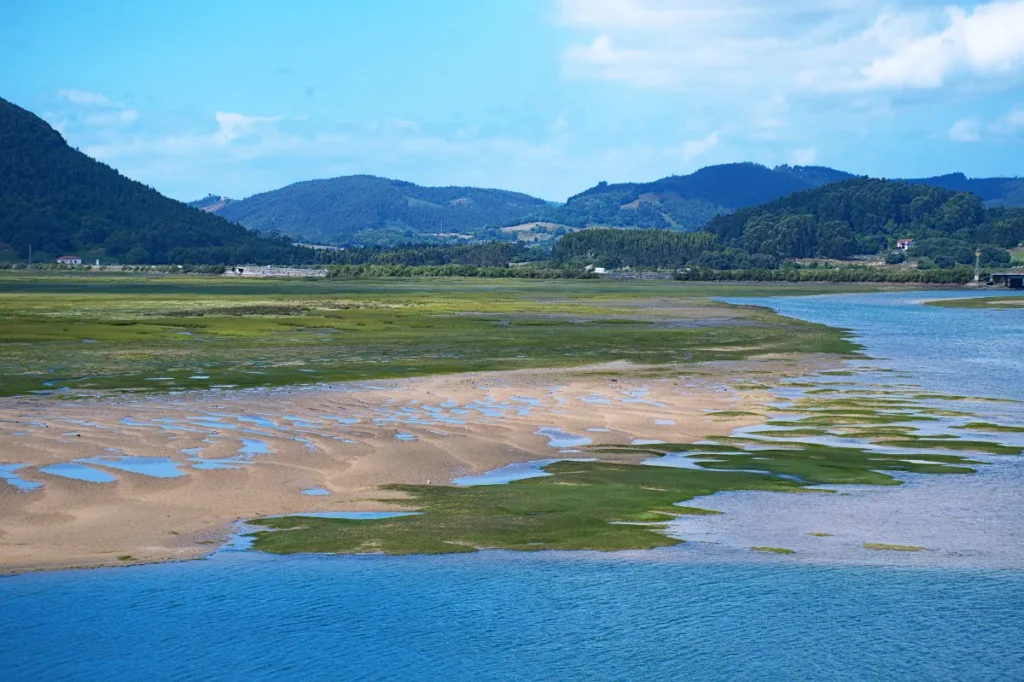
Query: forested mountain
[60, 201]
[682, 202]
[864, 216]
[367, 210]
[839, 220]
[687, 202]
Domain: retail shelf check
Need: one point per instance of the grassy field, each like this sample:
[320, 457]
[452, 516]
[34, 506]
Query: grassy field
[158, 333]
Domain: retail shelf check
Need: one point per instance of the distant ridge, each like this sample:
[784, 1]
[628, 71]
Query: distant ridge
[688, 202]
[365, 209]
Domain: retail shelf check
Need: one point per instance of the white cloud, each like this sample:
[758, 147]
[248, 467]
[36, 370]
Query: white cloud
[1010, 123]
[112, 118]
[965, 130]
[601, 59]
[988, 41]
[242, 138]
[617, 13]
[692, 149]
[231, 126]
[795, 46]
[403, 124]
[97, 110]
[803, 157]
[85, 98]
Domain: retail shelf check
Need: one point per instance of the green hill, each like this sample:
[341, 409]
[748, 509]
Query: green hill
[839, 220]
[688, 202]
[681, 202]
[61, 202]
[367, 210]
[865, 216]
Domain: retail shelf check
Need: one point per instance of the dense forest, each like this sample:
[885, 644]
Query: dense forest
[837, 221]
[366, 210]
[864, 216]
[59, 201]
[616, 248]
[483, 255]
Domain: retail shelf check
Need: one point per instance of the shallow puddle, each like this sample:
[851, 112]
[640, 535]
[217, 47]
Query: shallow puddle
[78, 472]
[513, 472]
[7, 473]
[316, 492]
[155, 467]
[557, 438]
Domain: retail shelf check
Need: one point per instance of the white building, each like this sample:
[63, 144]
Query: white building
[69, 260]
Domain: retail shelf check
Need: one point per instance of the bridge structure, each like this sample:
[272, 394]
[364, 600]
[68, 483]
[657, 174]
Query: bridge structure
[1010, 280]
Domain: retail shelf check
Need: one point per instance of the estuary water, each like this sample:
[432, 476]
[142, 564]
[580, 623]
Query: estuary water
[673, 613]
[957, 351]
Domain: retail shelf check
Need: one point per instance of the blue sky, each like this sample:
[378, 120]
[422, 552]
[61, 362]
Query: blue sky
[542, 96]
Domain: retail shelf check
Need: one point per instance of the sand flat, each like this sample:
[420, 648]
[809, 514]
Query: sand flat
[348, 439]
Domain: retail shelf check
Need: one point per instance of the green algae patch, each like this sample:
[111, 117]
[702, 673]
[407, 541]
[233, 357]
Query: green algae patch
[820, 535]
[882, 547]
[987, 302]
[599, 513]
[773, 550]
[727, 414]
[954, 444]
[589, 505]
[994, 428]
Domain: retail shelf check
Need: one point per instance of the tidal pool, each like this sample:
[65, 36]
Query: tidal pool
[7, 473]
[156, 467]
[316, 492]
[513, 472]
[79, 472]
[557, 438]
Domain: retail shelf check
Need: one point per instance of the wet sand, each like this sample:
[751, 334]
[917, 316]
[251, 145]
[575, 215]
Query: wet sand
[347, 439]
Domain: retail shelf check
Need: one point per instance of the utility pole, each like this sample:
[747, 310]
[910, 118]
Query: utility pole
[977, 266]
[30, 255]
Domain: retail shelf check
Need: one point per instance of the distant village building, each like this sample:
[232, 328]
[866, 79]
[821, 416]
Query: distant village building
[904, 244]
[271, 271]
[69, 260]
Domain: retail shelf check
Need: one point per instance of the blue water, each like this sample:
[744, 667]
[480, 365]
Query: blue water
[316, 492]
[501, 616]
[958, 351]
[557, 438]
[681, 613]
[8, 473]
[518, 471]
[156, 467]
[79, 472]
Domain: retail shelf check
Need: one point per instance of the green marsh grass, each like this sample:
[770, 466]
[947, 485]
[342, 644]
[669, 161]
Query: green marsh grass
[95, 332]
